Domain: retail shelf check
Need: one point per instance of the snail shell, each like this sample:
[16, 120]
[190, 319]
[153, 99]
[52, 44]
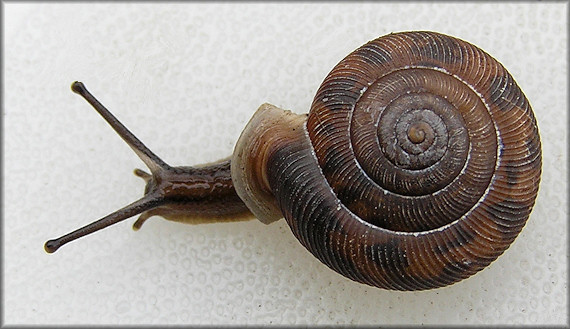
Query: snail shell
[418, 164]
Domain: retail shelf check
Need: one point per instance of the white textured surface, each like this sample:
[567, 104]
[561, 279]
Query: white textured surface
[186, 78]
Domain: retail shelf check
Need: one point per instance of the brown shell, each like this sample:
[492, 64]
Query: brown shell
[429, 162]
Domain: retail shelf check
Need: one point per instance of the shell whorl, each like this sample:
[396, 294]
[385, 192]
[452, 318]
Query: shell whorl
[418, 165]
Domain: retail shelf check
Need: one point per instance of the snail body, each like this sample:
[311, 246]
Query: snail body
[416, 167]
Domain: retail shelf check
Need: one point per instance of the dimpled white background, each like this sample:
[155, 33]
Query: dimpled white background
[185, 78]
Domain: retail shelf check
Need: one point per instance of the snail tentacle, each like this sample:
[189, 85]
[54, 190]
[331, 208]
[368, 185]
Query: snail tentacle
[192, 195]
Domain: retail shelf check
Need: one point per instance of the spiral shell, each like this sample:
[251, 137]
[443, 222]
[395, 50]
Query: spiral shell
[418, 165]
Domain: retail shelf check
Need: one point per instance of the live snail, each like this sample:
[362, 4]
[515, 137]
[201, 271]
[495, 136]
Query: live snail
[416, 167]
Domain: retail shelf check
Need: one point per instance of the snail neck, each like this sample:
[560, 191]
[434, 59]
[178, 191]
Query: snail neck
[194, 195]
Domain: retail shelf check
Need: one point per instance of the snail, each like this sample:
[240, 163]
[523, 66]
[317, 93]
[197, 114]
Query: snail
[417, 166]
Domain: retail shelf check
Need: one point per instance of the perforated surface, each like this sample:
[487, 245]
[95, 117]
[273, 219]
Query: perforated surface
[185, 78]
